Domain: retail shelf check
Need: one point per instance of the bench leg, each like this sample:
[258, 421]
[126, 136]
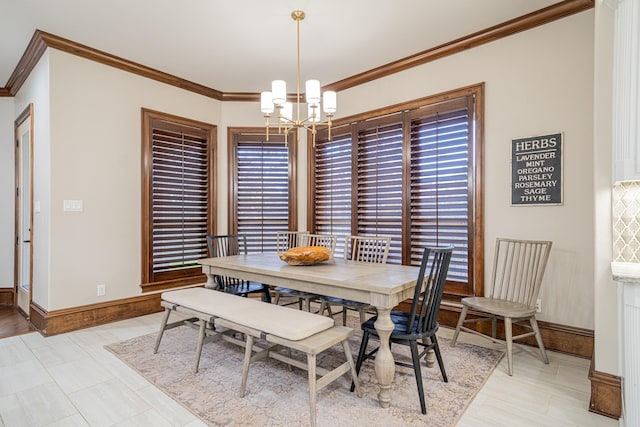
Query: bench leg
[311, 366]
[248, 351]
[163, 324]
[354, 374]
[201, 335]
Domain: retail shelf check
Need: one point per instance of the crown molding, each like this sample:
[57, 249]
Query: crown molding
[42, 40]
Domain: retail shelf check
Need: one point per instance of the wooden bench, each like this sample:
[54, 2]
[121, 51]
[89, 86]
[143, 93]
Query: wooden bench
[279, 326]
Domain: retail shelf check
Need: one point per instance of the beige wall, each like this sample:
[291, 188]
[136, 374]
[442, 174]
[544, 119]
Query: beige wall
[95, 140]
[6, 192]
[36, 90]
[537, 82]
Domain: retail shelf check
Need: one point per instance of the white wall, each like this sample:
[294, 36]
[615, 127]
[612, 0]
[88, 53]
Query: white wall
[95, 156]
[537, 82]
[36, 90]
[7, 188]
[605, 289]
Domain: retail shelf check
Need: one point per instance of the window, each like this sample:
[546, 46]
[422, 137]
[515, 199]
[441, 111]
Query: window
[177, 199]
[262, 186]
[412, 172]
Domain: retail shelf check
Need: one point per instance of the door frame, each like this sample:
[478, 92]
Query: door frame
[27, 114]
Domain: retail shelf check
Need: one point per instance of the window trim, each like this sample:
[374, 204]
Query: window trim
[476, 173]
[292, 144]
[147, 118]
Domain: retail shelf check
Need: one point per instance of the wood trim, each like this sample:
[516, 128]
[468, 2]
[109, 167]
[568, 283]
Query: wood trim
[556, 337]
[41, 40]
[233, 133]
[147, 116]
[6, 296]
[606, 393]
[507, 28]
[30, 57]
[26, 114]
[70, 319]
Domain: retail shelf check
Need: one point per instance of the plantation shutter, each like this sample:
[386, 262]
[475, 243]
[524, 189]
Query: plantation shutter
[262, 201]
[333, 184]
[440, 183]
[379, 182]
[179, 199]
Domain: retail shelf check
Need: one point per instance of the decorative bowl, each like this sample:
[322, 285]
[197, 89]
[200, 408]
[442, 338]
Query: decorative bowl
[306, 255]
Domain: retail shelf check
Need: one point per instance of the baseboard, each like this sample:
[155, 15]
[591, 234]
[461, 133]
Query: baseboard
[6, 296]
[70, 319]
[606, 393]
[565, 339]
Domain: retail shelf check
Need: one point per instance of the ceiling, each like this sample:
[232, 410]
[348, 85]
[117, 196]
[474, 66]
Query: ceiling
[241, 45]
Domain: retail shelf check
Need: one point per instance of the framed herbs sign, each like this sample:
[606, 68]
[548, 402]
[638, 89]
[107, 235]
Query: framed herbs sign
[536, 170]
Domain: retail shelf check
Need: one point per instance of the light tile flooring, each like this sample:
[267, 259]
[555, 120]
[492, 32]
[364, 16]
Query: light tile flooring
[71, 380]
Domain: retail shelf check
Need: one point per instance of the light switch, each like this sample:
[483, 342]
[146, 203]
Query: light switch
[36, 206]
[72, 206]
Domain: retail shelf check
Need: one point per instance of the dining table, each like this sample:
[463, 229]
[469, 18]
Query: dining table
[381, 285]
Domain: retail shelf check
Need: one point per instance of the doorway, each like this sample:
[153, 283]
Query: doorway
[23, 259]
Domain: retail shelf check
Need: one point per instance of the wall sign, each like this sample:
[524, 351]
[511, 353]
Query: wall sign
[536, 170]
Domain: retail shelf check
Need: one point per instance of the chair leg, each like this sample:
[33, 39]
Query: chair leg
[248, 352]
[311, 366]
[436, 350]
[534, 326]
[344, 316]
[508, 334]
[266, 295]
[201, 335]
[323, 307]
[163, 325]
[463, 315]
[415, 356]
[361, 352]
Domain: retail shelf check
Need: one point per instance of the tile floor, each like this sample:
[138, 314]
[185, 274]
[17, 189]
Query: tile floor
[71, 380]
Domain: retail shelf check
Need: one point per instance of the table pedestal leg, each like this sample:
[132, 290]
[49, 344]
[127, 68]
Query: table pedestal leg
[384, 365]
[430, 358]
[211, 284]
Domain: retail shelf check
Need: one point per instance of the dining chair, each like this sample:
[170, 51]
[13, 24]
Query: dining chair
[359, 249]
[418, 327]
[234, 244]
[286, 240]
[518, 268]
[324, 240]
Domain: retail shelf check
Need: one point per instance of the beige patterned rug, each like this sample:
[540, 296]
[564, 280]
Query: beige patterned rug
[277, 396]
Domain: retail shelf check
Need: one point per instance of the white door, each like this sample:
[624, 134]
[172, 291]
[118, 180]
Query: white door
[24, 215]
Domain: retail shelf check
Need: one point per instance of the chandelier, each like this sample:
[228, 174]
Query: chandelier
[276, 101]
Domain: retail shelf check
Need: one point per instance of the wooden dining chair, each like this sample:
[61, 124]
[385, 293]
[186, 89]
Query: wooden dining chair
[234, 244]
[359, 249]
[418, 327]
[518, 268]
[286, 240]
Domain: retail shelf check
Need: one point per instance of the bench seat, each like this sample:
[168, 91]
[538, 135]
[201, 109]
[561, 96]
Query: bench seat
[277, 325]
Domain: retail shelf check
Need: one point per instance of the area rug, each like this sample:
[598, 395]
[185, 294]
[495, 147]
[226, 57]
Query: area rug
[278, 396]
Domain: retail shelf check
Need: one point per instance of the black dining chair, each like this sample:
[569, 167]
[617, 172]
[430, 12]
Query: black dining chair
[420, 324]
[234, 244]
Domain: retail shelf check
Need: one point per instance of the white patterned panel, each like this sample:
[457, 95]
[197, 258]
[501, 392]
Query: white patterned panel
[626, 221]
[631, 355]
